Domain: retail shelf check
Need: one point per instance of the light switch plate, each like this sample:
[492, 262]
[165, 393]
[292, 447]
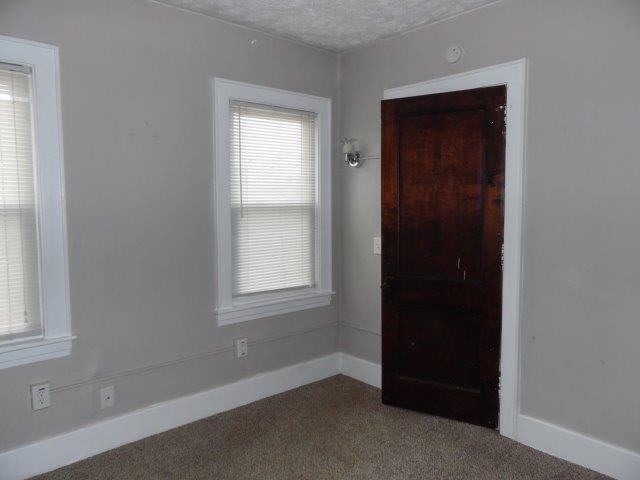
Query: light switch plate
[377, 245]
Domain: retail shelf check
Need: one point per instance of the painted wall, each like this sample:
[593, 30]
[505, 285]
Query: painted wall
[579, 316]
[137, 136]
[136, 101]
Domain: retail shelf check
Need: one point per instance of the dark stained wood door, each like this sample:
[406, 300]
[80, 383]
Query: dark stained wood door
[442, 234]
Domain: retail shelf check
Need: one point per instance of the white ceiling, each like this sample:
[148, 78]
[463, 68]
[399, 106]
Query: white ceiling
[335, 25]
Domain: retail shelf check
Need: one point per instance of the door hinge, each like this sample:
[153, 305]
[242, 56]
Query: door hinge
[502, 256]
[505, 111]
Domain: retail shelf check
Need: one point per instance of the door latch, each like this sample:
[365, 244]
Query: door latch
[387, 288]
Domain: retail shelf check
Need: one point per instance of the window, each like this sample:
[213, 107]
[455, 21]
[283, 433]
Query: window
[34, 318]
[273, 201]
[19, 289]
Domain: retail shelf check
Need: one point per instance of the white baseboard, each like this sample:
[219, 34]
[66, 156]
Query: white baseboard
[55, 452]
[560, 442]
[578, 448]
[363, 370]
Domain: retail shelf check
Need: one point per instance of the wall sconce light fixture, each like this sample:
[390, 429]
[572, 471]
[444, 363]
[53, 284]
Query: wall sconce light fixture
[351, 154]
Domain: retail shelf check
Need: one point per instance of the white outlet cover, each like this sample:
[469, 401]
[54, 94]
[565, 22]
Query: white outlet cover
[40, 396]
[107, 397]
[241, 347]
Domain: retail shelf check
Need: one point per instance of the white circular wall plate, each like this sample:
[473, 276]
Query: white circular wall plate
[454, 54]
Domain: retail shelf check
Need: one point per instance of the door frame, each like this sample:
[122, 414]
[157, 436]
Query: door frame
[514, 76]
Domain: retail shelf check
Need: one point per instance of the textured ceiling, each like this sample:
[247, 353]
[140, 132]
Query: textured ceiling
[335, 25]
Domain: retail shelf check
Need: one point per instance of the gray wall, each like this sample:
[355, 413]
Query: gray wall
[581, 329]
[137, 134]
[136, 101]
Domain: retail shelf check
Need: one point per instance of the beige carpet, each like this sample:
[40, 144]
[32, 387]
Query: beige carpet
[333, 429]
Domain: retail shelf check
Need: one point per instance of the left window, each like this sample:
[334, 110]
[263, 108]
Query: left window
[34, 304]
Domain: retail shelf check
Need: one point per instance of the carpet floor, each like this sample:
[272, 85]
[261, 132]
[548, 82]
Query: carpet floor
[333, 429]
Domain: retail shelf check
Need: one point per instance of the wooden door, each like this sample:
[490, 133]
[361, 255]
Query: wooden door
[442, 234]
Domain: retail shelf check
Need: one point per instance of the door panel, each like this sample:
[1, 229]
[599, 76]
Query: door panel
[424, 346]
[442, 197]
[442, 228]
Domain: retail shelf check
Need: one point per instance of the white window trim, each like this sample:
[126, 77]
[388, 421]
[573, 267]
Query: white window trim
[230, 310]
[52, 239]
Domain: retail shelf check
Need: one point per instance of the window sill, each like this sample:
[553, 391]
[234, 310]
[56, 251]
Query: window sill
[243, 312]
[30, 351]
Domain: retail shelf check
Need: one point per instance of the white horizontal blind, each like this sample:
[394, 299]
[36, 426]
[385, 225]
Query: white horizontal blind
[273, 198]
[19, 279]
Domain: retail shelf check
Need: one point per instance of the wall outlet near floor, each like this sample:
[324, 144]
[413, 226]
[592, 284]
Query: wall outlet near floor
[241, 347]
[107, 396]
[40, 396]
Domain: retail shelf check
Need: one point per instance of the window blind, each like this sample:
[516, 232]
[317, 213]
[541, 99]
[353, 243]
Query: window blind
[19, 277]
[273, 198]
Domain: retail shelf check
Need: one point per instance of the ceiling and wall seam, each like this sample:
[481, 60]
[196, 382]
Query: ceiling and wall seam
[257, 31]
[416, 28]
[332, 25]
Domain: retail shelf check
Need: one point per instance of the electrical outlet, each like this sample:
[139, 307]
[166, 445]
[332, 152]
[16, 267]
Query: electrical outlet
[107, 397]
[40, 396]
[241, 347]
